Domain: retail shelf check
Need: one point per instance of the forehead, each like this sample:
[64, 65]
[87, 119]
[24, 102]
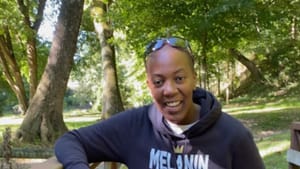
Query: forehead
[168, 58]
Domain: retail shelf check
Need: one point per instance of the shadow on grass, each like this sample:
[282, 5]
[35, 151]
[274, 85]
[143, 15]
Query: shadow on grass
[270, 125]
[266, 123]
[258, 106]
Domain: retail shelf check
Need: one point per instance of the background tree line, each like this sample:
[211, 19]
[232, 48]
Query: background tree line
[237, 44]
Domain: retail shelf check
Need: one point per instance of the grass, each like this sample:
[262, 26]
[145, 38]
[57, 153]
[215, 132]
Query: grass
[273, 150]
[79, 118]
[269, 120]
[268, 117]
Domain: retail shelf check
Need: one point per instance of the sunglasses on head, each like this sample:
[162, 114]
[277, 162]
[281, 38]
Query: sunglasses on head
[175, 42]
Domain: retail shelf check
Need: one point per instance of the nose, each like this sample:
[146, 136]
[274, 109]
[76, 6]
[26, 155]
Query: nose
[170, 88]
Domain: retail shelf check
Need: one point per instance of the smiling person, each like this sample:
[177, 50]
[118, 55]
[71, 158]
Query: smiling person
[184, 127]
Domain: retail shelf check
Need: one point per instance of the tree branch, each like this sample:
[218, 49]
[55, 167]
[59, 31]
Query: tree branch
[39, 16]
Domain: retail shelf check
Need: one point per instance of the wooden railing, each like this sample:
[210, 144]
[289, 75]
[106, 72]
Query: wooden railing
[293, 154]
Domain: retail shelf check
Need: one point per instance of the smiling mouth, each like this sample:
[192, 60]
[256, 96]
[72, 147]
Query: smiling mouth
[173, 104]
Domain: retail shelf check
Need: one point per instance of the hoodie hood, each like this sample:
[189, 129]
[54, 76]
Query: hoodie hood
[209, 113]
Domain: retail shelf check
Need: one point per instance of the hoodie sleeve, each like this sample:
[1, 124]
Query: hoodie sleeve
[70, 152]
[246, 154]
[103, 141]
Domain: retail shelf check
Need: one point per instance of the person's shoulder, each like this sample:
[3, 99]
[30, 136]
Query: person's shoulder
[133, 113]
[133, 116]
[136, 116]
[233, 129]
[137, 110]
[232, 124]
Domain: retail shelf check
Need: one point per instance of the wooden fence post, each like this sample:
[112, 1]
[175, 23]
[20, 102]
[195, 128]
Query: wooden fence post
[293, 154]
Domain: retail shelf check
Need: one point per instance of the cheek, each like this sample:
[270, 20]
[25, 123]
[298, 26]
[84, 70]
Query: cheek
[155, 93]
[151, 88]
[188, 90]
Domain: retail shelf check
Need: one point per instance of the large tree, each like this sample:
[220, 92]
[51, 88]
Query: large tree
[19, 39]
[255, 72]
[44, 119]
[32, 28]
[111, 97]
[11, 68]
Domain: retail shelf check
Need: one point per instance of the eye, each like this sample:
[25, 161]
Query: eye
[157, 82]
[179, 79]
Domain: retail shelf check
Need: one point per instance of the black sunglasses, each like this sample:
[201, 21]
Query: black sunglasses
[175, 42]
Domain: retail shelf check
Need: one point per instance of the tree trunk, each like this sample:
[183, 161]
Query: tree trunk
[32, 64]
[111, 98]
[255, 73]
[31, 42]
[44, 119]
[11, 70]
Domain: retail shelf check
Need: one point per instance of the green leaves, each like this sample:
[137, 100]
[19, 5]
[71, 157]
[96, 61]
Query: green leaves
[258, 28]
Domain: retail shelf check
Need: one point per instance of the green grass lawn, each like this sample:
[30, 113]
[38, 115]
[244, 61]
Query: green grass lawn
[268, 119]
[273, 150]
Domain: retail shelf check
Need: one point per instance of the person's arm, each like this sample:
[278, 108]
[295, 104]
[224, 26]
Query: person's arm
[96, 143]
[70, 152]
[246, 154]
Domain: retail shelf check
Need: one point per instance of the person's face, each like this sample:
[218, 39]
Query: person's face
[171, 80]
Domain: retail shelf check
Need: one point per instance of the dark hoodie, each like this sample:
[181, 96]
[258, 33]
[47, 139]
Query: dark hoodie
[141, 139]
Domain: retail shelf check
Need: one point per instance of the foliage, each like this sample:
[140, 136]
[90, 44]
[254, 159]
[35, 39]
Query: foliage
[226, 24]
[7, 98]
[10, 16]
[87, 70]
[192, 19]
[259, 29]
[256, 27]
[132, 76]
[13, 18]
[79, 97]
[279, 48]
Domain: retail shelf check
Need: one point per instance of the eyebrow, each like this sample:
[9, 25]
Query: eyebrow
[180, 70]
[177, 71]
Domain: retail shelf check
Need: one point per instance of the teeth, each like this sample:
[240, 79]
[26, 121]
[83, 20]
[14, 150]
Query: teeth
[173, 104]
